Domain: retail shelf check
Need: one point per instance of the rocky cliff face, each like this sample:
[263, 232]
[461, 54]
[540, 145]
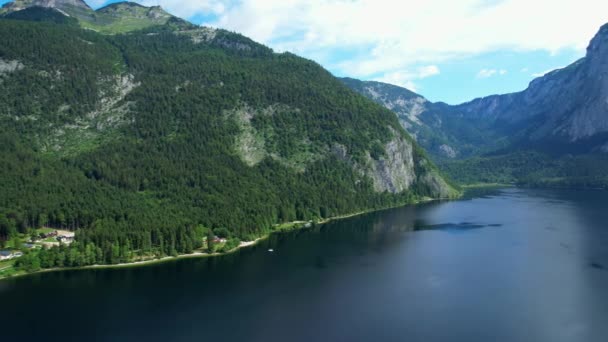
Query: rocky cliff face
[399, 169]
[406, 104]
[135, 11]
[7, 67]
[566, 105]
[394, 172]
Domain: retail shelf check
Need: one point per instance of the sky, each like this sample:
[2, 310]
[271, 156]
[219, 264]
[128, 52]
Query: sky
[447, 50]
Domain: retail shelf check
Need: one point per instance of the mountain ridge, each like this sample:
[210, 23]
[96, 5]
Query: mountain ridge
[17, 5]
[436, 126]
[118, 17]
[567, 105]
[571, 102]
[543, 134]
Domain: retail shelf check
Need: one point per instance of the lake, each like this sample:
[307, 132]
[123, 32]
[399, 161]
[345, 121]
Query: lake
[506, 265]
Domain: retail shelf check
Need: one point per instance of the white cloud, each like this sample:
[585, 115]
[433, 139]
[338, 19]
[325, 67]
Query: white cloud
[427, 71]
[393, 35]
[190, 8]
[407, 79]
[485, 73]
[400, 79]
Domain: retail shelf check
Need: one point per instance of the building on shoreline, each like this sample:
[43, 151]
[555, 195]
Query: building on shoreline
[8, 255]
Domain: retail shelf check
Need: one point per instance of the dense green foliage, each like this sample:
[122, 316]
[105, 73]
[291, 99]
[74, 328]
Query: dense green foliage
[532, 169]
[130, 140]
[41, 14]
[118, 17]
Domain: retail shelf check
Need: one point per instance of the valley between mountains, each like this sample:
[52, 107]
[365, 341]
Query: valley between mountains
[554, 133]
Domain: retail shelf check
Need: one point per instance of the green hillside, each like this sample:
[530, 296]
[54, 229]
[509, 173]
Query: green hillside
[120, 17]
[144, 142]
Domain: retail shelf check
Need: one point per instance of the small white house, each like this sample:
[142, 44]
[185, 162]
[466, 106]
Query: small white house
[4, 255]
[66, 237]
[7, 255]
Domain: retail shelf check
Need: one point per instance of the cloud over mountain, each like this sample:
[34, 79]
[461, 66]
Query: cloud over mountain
[387, 39]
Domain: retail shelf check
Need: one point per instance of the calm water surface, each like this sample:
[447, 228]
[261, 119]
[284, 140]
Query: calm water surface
[516, 265]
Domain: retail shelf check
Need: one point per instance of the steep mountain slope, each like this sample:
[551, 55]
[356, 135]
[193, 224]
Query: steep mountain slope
[138, 139]
[63, 5]
[437, 127]
[546, 134]
[565, 111]
[114, 18]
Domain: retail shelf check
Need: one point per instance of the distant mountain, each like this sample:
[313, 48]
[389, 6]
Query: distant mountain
[563, 112]
[437, 127]
[63, 5]
[137, 140]
[117, 17]
[544, 132]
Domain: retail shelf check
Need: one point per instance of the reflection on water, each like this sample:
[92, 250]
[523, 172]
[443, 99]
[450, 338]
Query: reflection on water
[508, 265]
[455, 226]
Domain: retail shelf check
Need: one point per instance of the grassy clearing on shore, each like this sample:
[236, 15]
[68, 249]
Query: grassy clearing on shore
[8, 270]
[45, 230]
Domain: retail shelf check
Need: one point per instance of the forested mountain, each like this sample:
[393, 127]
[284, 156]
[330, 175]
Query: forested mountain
[437, 127]
[555, 132]
[144, 141]
[114, 18]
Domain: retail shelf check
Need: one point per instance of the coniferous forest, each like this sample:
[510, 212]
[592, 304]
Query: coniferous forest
[148, 142]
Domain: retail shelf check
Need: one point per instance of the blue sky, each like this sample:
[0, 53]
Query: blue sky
[446, 50]
[496, 72]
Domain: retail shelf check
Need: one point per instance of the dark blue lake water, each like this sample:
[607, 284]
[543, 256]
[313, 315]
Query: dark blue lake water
[514, 265]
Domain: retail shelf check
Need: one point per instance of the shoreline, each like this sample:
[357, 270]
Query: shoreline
[487, 185]
[281, 228]
[141, 263]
